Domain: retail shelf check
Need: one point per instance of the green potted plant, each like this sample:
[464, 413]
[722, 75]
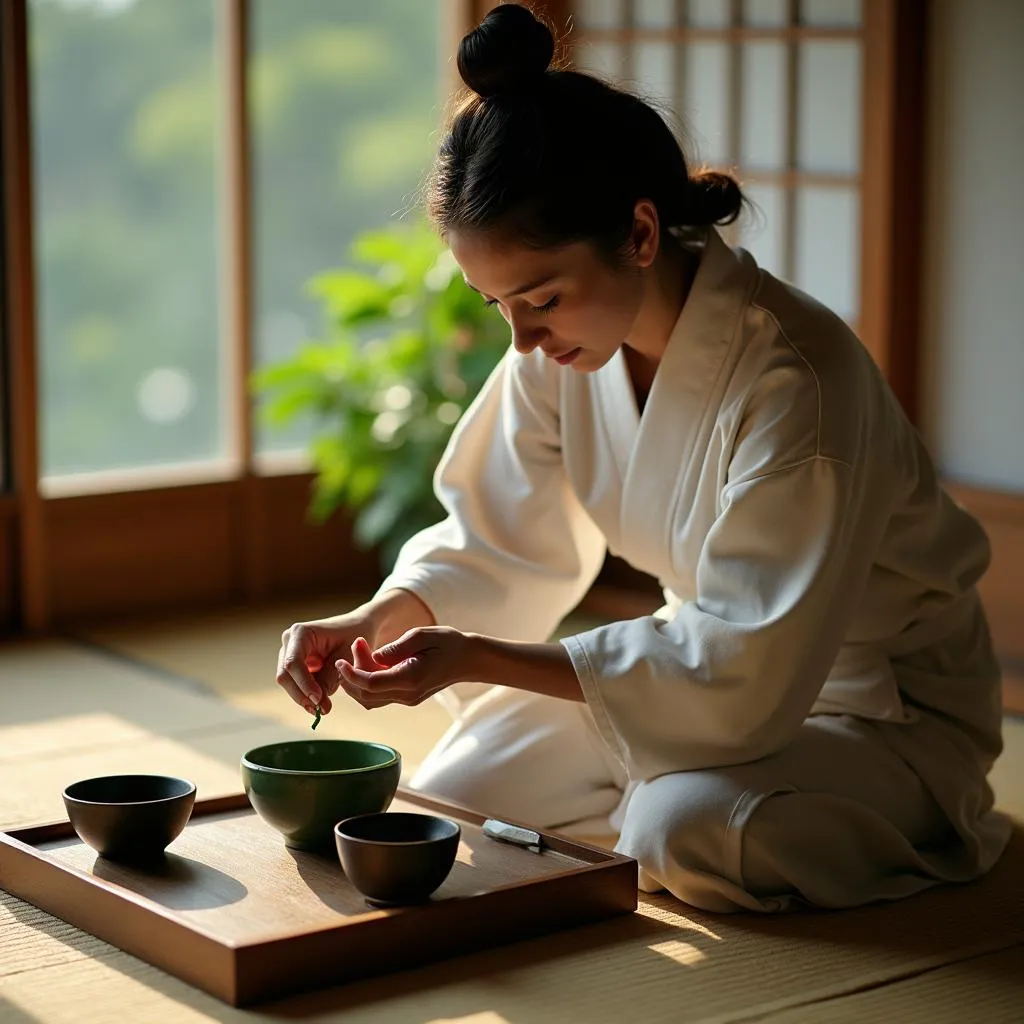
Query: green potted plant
[409, 345]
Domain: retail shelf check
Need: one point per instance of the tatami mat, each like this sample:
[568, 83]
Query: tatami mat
[665, 964]
[66, 710]
[985, 989]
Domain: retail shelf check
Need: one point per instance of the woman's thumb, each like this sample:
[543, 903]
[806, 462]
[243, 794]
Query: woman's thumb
[397, 651]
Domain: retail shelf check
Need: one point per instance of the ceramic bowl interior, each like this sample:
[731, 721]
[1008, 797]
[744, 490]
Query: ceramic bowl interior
[130, 817]
[302, 757]
[397, 858]
[303, 788]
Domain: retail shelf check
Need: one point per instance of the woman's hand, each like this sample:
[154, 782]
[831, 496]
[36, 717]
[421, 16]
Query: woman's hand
[310, 650]
[416, 666]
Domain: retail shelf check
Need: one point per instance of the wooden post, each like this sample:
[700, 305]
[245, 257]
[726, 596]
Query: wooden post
[33, 610]
[236, 231]
[893, 189]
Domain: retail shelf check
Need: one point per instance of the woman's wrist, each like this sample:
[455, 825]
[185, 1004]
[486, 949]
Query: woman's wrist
[393, 613]
[538, 668]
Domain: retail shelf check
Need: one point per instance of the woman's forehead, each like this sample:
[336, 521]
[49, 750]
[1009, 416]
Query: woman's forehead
[498, 266]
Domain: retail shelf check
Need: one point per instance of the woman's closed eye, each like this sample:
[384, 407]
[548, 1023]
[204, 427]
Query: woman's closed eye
[546, 308]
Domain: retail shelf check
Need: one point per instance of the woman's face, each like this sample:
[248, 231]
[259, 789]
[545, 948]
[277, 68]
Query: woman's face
[568, 302]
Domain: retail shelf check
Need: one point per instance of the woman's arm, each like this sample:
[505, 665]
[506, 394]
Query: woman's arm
[539, 668]
[516, 550]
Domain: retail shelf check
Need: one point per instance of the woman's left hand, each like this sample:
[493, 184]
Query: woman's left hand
[416, 666]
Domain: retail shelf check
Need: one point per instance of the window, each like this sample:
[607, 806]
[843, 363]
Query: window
[128, 136]
[183, 167]
[124, 133]
[345, 98]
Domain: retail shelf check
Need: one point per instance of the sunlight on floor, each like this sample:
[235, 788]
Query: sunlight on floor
[679, 951]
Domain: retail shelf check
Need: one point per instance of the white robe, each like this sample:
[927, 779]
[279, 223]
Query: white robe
[789, 510]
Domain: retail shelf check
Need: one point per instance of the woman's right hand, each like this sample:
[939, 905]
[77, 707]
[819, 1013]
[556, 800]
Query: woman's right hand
[306, 662]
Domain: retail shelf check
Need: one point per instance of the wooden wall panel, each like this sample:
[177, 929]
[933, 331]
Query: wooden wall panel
[302, 556]
[186, 547]
[121, 554]
[1002, 588]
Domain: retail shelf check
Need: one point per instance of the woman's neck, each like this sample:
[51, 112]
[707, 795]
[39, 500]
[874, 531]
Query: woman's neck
[668, 285]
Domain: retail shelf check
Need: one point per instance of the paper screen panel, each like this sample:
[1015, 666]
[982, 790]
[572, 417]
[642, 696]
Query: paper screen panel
[655, 13]
[828, 107]
[708, 13]
[654, 70]
[599, 13]
[705, 105]
[827, 254]
[763, 118]
[831, 13]
[765, 13]
[762, 228]
[606, 60]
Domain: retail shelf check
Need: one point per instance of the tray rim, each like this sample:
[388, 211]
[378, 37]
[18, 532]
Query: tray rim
[224, 960]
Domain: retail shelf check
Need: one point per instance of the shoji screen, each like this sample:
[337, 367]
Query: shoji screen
[770, 89]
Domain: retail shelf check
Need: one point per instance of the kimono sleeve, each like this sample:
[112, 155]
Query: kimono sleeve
[732, 676]
[516, 551]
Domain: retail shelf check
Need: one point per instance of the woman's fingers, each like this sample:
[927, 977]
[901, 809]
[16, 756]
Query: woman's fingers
[400, 650]
[375, 689]
[370, 699]
[405, 676]
[362, 656]
[286, 680]
[298, 648]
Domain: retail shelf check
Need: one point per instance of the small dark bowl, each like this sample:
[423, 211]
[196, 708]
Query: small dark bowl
[397, 859]
[130, 817]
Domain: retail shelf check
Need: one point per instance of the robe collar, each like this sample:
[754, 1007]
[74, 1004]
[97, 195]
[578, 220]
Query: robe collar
[660, 453]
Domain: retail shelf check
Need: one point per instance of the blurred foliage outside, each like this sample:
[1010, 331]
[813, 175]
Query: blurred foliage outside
[408, 348]
[127, 107]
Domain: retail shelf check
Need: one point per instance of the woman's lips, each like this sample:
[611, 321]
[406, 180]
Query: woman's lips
[566, 359]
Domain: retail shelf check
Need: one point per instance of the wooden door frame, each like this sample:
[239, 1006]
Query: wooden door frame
[27, 564]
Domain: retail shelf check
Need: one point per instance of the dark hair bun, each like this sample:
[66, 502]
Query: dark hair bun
[713, 198]
[509, 49]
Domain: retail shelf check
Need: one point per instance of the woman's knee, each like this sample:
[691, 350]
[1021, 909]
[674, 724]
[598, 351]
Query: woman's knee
[679, 830]
[458, 775]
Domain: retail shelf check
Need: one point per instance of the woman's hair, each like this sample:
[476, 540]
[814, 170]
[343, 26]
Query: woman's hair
[552, 157]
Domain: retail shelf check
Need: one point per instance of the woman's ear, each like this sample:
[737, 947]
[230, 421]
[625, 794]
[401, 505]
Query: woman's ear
[646, 234]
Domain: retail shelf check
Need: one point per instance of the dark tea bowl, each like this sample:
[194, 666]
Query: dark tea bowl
[303, 788]
[130, 817]
[397, 859]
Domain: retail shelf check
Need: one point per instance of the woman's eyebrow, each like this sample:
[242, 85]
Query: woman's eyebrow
[529, 287]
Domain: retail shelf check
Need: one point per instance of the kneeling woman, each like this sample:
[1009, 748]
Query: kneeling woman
[812, 715]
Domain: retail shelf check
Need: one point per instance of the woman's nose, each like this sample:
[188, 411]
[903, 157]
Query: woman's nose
[525, 338]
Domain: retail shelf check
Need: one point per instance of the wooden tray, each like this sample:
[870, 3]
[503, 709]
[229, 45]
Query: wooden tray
[234, 912]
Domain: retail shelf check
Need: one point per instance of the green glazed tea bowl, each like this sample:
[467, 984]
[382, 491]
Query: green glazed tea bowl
[303, 788]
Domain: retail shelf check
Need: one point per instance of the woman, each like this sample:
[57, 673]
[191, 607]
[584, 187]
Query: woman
[812, 715]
